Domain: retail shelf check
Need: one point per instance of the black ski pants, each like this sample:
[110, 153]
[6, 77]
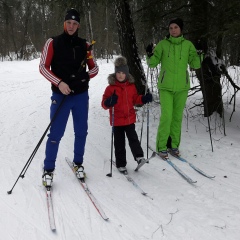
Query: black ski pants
[119, 144]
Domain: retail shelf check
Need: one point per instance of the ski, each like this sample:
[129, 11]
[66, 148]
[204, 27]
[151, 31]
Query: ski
[145, 161]
[50, 209]
[185, 176]
[130, 179]
[191, 165]
[89, 193]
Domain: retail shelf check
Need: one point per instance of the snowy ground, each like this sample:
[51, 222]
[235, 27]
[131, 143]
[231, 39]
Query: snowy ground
[178, 210]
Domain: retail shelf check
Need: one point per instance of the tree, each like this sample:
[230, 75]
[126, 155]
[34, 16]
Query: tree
[127, 41]
[209, 76]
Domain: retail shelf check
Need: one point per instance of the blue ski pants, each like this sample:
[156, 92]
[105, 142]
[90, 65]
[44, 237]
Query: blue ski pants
[78, 106]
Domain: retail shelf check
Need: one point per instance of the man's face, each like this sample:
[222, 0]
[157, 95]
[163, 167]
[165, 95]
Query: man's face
[71, 26]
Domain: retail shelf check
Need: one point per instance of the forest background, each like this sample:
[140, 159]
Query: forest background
[25, 25]
[126, 27]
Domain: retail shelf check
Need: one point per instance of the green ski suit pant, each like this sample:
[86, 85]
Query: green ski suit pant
[172, 106]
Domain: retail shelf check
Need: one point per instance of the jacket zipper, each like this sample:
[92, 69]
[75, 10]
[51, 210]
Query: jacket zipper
[163, 76]
[126, 94]
[74, 53]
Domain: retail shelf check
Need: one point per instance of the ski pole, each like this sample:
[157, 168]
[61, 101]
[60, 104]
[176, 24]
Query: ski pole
[23, 172]
[143, 113]
[147, 90]
[205, 100]
[110, 174]
[147, 130]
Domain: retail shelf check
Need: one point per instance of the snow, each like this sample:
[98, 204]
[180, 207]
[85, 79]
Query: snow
[174, 210]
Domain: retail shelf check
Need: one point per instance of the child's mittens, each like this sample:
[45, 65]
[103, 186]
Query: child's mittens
[147, 98]
[111, 101]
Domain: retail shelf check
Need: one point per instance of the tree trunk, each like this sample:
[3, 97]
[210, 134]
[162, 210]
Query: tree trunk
[88, 20]
[208, 75]
[212, 87]
[127, 41]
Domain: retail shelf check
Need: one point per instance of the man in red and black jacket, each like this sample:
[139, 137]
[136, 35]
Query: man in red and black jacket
[63, 62]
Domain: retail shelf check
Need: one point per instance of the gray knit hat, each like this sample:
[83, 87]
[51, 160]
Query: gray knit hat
[121, 65]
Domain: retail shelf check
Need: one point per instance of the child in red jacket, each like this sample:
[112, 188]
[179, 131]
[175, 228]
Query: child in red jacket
[122, 95]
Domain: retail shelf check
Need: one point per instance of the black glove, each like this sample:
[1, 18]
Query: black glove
[147, 98]
[111, 101]
[78, 83]
[149, 49]
[201, 46]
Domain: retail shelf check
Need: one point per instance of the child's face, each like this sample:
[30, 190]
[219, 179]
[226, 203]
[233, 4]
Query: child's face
[121, 76]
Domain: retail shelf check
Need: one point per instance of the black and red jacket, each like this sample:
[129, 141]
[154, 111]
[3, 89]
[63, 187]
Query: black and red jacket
[62, 57]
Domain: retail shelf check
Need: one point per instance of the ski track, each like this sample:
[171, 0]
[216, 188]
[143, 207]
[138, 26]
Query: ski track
[25, 222]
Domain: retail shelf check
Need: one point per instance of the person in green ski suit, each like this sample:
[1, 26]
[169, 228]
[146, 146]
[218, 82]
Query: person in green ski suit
[174, 53]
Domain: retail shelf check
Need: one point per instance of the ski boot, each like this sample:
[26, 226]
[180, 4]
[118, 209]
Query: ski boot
[79, 171]
[47, 178]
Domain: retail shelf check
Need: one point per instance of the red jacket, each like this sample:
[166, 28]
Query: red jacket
[124, 112]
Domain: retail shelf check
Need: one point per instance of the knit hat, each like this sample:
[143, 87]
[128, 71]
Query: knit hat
[121, 65]
[177, 21]
[72, 14]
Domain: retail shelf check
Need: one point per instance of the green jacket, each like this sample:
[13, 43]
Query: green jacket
[174, 54]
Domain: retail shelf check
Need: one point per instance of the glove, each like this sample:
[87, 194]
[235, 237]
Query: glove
[111, 101]
[149, 50]
[201, 46]
[147, 98]
[79, 82]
